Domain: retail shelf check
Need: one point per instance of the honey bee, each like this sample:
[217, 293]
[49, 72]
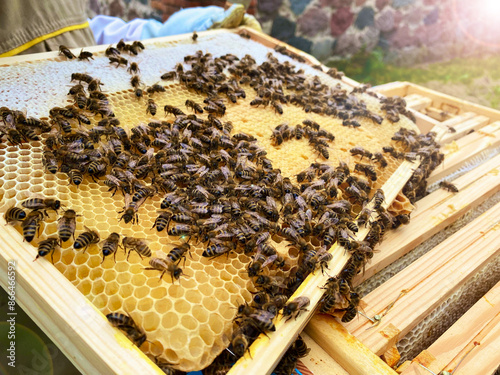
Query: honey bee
[112, 51]
[165, 265]
[133, 68]
[173, 110]
[194, 106]
[31, 224]
[155, 88]
[66, 225]
[76, 176]
[126, 324]
[42, 204]
[194, 37]
[169, 76]
[137, 244]
[85, 55]
[367, 170]
[364, 216]
[138, 45]
[278, 108]
[244, 34]
[378, 199]
[138, 93]
[81, 77]
[152, 107]
[110, 245]
[85, 239]
[216, 250]
[14, 214]
[66, 52]
[360, 151]
[379, 158]
[448, 186]
[118, 60]
[47, 246]
[178, 252]
[135, 81]
[350, 314]
[263, 320]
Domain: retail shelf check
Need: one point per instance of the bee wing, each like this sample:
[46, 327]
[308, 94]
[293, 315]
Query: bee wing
[271, 202]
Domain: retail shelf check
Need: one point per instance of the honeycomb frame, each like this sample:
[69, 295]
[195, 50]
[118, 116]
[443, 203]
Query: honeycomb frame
[22, 176]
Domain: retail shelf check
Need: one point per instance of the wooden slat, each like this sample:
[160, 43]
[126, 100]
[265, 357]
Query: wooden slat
[442, 353]
[424, 123]
[352, 355]
[438, 99]
[449, 265]
[459, 153]
[417, 102]
[265, 353]
[436, 113]
[393, 89]
[319, 361]
[457, 120]
[435, 212]
[78, 329]
[464, 128]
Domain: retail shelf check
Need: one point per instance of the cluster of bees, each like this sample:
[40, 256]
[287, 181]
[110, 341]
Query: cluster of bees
[319, 139]
[221, 190]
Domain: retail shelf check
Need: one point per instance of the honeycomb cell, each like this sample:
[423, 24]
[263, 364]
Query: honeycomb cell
[95, 273]
[178, 338]
[221, 294]
[70, 273]
[114, 303]
[216, 323]
[170, 320]
[144, 304]
[98, 287]
[83, 271]
[189, 322]
[182, 306]
[126, 290]
[210, 304]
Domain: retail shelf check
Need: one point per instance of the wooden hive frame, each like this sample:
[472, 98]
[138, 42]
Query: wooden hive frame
[85, 347]
[452, 261]
[100, 349]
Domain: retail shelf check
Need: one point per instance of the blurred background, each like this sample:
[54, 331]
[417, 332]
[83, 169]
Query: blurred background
[448, 45]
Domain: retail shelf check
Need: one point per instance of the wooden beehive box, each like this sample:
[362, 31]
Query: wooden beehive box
[78, 327]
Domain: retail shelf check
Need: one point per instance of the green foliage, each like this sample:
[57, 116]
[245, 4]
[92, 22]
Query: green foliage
[370, 67]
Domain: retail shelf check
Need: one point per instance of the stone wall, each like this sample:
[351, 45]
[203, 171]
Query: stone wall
[408, 31]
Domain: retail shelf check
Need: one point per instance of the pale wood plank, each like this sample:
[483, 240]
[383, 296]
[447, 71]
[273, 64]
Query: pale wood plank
[436, 113]
[449, 265]
[435, 212]
[439, 99]
[318, 360]
[78, 329]
[396, 88]
[424, 123]
[458, 155]
[457, 119]
[464, 128]
[268, 349]
[417, 102]
[484, 358]
[464, 331]
[351, 354]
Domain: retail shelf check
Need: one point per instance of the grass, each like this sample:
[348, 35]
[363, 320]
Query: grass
[475, 77]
